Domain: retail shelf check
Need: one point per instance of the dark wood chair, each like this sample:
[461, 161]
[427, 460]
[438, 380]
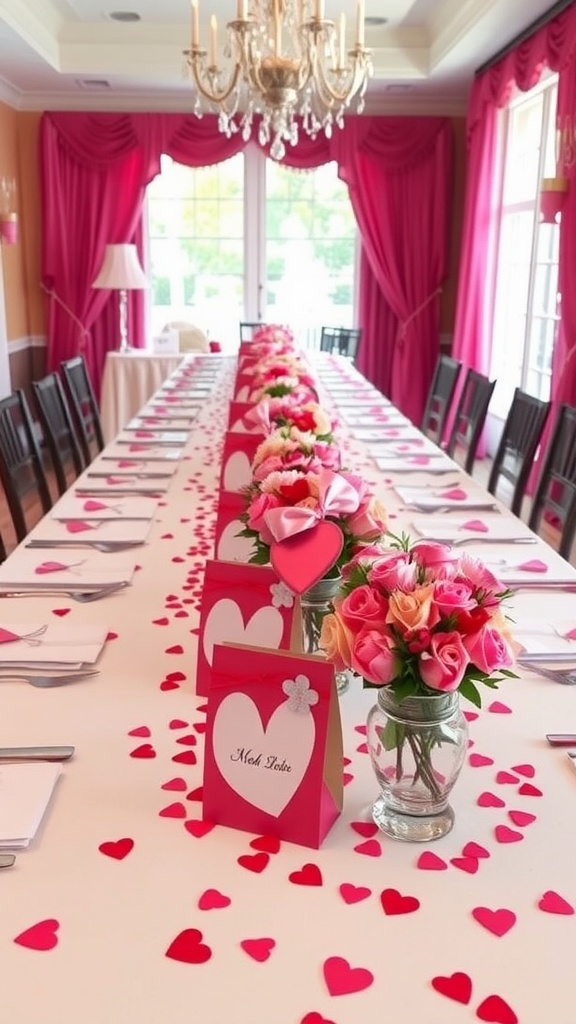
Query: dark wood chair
[440, 397]
[470, 417]
[248, 328]
[518, 445]
[555, 496]
[84, 406]
[58, 429]
[21, 467]
[341, 341]
[2, 551]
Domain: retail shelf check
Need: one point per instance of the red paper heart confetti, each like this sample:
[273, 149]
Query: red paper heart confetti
[213, 899]
[494, 1010]
[198, 828]
[504, 834]
[470, 716]
[527, 770]
[117, 849]
[457, 986]
[188, 948]
[61, 612]
[315, 1018]
[498, 922]
[175, 810]
[267, 844]
[41, 936]
[394, 903]
[141, 730]
[498, 708]
[255, 862]
[177, 723]
[429, 861]
[309, 874]
[475, 850]
[479, 760]
[468, 864]
[506, 779]
[160, 622]
[365, 828]
[527, 789]
[300, 561]
[169, 684]
[78, 526]
[553, 903]
[521, 818]
[189, 740]
[490, 800]
[144, 750]
[177, 785]
[186, 757]
[475, 525]
[196, 794]
[258, 949]
[354, 893]
[175, 649]
[176, 677]
[342, 979]
[371, 848]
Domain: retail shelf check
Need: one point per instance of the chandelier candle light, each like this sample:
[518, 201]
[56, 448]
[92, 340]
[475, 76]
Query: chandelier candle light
[288, 61]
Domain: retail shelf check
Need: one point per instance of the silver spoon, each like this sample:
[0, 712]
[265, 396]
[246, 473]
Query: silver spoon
[44, 681]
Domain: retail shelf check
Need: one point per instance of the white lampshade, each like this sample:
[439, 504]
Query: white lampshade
[121, 268]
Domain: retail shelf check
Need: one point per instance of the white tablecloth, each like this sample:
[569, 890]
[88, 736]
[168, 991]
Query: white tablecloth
[128, 381]
[116, 918]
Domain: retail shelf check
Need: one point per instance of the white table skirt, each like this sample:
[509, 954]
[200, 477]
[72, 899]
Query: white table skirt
[128, 381]
[117, 917]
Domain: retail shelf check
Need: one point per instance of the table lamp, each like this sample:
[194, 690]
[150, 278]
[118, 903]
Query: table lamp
[121, 270]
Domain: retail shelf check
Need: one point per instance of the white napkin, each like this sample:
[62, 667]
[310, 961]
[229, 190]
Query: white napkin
[132, 467]
[498, 528]
[49, 643]
[139, 451]
[25, 792]
[546, 641]
[82, 531]
[63, 570]
[73, 509]
[436, 498]
[153, 437]
[91, 483]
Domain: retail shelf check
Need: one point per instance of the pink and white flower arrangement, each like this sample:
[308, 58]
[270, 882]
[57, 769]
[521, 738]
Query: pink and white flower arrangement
[309, 417]
[273, 334]
[420, 618]
[290, 448]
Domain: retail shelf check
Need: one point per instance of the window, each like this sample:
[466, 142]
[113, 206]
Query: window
[249, 239]
[526, 299]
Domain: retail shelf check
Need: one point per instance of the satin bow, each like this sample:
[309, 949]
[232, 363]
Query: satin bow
[259, 416]
[335, 497]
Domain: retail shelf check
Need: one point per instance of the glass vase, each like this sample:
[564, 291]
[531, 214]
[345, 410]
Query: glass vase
[315, 603]
[417, 748]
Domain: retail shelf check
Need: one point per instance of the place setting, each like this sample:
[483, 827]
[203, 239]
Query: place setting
[149, 421]
[141, 468]
[443, 499]
[492, 528]
[79, 512]
[170, 438]
[73, 571]
[432, 463]
[99, 484]
[138, 451]
[108, 536]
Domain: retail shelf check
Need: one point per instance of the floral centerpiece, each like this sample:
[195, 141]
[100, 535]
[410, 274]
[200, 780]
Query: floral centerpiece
[422, 623]
[287, 411]
[273, 334]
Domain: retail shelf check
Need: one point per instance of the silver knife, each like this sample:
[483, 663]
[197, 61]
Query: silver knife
[36, 753]
[7, 860]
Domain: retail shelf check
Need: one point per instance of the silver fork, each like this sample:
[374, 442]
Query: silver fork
[431, 509]
[566, 676]
[106, 546]
[458, 542]
[82, 596]
[46, 681]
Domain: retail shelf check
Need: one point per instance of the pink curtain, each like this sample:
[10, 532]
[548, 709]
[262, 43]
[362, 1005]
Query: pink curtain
[95, 168]
[553, 45]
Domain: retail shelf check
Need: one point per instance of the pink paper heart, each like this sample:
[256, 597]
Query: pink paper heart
[371, 848]
[496, 921]
[393, 903]
[527, 770]
[494, 1010]
[354, 893]
[490, 800]
[188, 948]
[46, 567]
[504, 834]
[553, 903]
[457, 986]
[534, 565]
[93, 506]
[527, 789]
[453, 494]
[258, 949]
[476, 525]
[479, 760]
[521, 818]
[302, 560]
[41, 936]
[176, 785]
[498, 708]
[7, 636]
[475, 850]
[367, 829]
[506, 778]
[429, 861]
[468, 864]
[212, 899]
[342, 979]
[176, 810]
[419, 460]
[78, 526]
[198, 828]
[141, 730]
[118, 849]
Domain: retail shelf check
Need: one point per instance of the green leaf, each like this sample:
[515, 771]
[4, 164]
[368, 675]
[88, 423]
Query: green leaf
[404, 688]
[388, 736]
[468, 690]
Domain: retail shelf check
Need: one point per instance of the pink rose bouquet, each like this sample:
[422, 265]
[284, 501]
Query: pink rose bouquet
[420, 618]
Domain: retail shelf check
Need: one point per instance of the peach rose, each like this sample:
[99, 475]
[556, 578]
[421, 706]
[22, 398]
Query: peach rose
[335, 641]
[413, 610]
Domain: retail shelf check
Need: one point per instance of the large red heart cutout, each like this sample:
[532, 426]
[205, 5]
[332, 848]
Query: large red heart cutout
[117, 849]
[457, 986]
[41, 936]
[496, 1011]
[302, 560]
[189, 948]
[394, 903]
[342, 979]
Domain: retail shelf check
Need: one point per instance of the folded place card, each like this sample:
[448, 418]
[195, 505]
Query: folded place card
[244, 604]
[25, 792]
[237, 458]
[76, 509]
[273, 757]
[228, 545]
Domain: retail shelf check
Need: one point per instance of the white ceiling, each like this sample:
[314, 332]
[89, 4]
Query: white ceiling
[68, 54]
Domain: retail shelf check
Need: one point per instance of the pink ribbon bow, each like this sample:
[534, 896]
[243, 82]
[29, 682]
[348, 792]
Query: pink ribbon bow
[336, 496]
[259, 416]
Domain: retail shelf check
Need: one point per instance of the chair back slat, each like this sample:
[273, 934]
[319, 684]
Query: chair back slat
[518, 445]
[440, 397]
[58, 428]
[84, 406]
[21, 467]
[555, 496]
[341, 341]
[248, 328]
[470, 417]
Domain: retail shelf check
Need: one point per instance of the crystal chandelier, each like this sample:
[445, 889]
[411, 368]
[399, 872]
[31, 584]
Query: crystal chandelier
[286, 62]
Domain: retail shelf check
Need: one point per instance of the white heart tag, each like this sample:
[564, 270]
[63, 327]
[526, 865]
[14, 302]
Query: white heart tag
[230, 547]
[224, 622]
[237, 473]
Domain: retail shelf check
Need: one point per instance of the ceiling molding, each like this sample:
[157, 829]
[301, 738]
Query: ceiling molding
[39, 25]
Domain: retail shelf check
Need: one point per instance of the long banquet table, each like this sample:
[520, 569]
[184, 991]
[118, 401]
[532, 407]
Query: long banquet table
[114, 918]
[129, 380]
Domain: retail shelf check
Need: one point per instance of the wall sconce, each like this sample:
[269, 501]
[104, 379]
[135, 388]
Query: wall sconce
[553, 192]
[8, 216]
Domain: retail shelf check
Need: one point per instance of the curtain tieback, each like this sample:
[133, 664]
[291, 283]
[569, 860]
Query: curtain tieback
[404, 325]
[84, 332]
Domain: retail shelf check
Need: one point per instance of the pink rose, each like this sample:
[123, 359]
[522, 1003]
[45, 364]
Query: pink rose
[439, 559]
[488, 650]
[372, 656]
[328, 454]
[393, 571]
[453, 596]
[256, 511]
[362, 605]
[270, 465]
[444, 665]
[368, 522]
